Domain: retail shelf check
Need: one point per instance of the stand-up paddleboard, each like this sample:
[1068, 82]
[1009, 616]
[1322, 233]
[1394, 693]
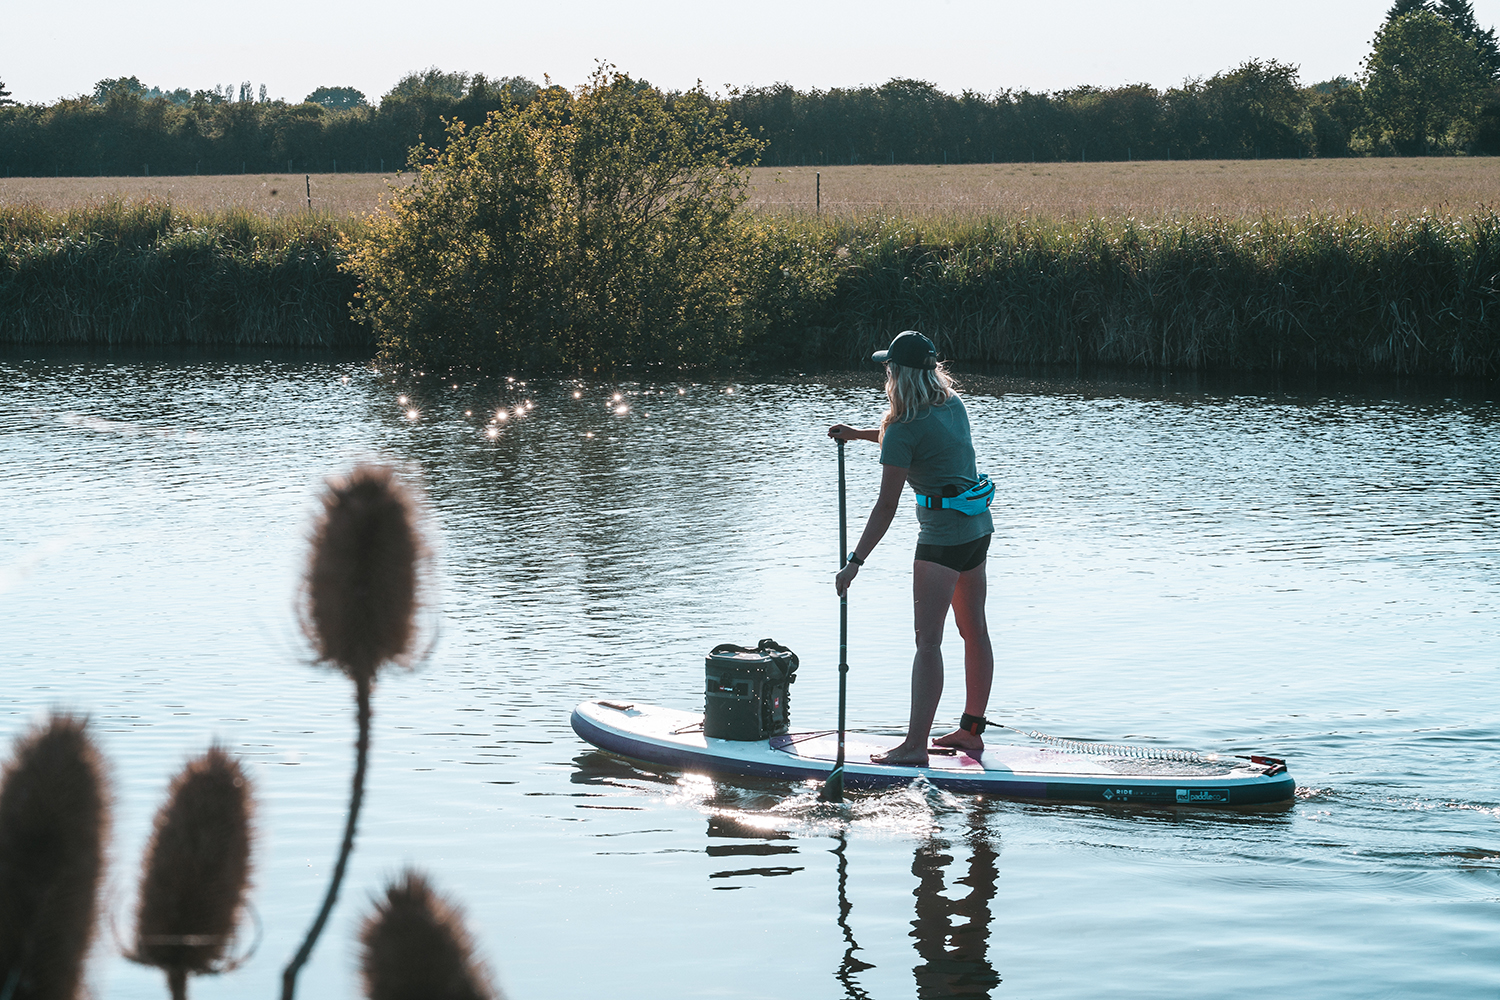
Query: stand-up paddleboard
[1066, 770]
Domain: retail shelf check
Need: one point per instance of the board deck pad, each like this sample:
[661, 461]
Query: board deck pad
[664, 736]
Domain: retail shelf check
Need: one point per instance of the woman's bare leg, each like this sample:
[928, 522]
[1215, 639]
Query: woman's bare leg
[932, 594]
[979, 656]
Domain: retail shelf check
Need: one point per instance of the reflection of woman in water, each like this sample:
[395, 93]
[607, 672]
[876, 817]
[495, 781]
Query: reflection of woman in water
[952, 934]
[924, 439]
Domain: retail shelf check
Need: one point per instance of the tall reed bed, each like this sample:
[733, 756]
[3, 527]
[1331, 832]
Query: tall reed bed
[148, 273]
[1346, 293]
[1414, 293]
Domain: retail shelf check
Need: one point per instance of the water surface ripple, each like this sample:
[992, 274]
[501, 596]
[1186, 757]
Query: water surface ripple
[1307, 573]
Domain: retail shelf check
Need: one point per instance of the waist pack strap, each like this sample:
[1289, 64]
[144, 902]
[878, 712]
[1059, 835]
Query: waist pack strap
[974, 500]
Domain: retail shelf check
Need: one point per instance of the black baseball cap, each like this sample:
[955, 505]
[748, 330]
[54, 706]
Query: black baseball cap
[909, 350]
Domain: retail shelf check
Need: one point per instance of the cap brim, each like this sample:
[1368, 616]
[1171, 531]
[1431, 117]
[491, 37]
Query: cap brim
[880, 357]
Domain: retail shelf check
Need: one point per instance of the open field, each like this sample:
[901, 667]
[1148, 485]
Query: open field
[1145, 190]
[340, 195]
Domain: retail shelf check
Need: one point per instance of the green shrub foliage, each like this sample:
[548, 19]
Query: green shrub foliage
[582, 229]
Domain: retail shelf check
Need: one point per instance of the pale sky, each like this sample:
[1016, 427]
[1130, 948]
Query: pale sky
[53, 50]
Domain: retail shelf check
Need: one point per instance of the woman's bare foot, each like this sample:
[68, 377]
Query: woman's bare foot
[961, 739]
[902, 754]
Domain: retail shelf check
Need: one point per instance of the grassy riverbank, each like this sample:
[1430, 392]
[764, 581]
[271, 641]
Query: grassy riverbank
[1344, 293]
[146, 273]
[1398, 294]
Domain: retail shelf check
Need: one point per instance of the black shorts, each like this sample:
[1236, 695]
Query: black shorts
[962, 557]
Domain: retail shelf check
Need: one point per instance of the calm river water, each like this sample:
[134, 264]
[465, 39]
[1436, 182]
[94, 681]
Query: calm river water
[1309, 573]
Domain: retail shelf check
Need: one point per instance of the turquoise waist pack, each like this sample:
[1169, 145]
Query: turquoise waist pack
[974, 500]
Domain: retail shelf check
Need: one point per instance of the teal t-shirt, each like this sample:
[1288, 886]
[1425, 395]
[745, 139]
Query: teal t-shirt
[937, 450]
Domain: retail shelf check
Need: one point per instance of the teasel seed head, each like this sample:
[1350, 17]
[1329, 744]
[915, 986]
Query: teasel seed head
[196, 870]
[414, 947]
[54, 818]
[362, 577]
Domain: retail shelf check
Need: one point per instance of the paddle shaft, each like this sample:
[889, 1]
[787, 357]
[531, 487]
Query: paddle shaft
[843, 623]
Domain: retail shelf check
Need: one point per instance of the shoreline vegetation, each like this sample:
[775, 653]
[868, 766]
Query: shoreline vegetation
[149, 274]
[1398, 293]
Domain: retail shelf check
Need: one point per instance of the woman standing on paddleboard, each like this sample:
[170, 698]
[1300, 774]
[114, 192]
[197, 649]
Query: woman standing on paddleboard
[924, 440]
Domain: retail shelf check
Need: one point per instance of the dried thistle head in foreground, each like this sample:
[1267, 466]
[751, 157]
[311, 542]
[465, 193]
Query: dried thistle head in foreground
[414, 947]
[362, 576]
[54, 815]
[196, 869]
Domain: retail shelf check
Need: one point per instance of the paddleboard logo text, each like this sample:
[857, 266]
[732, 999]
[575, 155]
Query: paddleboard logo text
[1187, 796]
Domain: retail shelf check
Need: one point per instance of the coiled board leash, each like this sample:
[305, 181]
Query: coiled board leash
[977, 725]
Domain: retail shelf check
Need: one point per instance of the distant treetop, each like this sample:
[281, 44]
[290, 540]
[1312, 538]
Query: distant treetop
[430, 82]
[1403, 7]
[124, 86]
[1335, 85]
[1459, 14]
[337, 98]
[433, 83]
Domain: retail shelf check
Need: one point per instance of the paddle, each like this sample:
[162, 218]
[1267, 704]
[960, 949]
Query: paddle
[833, 788]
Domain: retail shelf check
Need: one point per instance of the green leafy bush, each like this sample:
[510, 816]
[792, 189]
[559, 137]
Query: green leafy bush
[583, 229]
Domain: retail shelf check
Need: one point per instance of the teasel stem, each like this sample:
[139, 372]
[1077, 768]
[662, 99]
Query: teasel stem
[361, 587]
[356, 798]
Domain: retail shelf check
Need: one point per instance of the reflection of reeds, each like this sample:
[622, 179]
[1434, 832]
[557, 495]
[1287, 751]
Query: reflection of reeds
[361, 600]
[196, 870]
[415, 947]
[53, 817]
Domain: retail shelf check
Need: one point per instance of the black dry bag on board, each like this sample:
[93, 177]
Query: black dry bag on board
[745, 692]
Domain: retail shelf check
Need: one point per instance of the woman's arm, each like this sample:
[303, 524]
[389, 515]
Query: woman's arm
[843, 432]
[892, 481]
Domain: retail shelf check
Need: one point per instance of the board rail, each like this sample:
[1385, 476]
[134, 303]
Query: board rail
[667, 737]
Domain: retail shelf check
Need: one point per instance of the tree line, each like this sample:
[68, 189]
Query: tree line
[124, 127]
[1428, 86]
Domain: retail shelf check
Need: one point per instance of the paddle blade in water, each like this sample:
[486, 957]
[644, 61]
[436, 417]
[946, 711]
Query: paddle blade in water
[833, 788]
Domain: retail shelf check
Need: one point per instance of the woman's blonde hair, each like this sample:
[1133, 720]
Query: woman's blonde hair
[912, 389]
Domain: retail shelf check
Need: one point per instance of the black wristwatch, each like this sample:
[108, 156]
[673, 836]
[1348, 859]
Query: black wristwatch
[855, 559]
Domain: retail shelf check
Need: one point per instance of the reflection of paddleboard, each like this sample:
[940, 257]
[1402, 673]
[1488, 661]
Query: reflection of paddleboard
[666, 736]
